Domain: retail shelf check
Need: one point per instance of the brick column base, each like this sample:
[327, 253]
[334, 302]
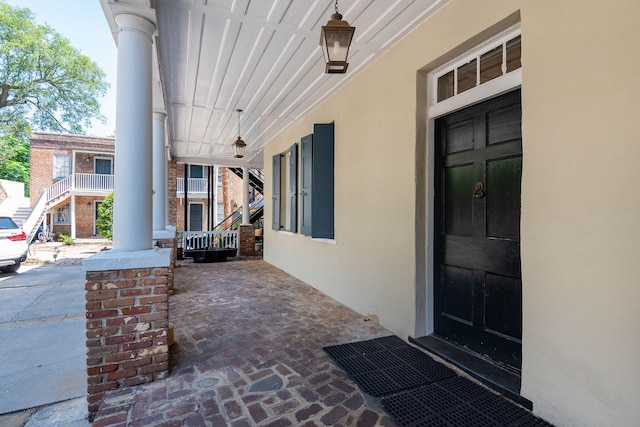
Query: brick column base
[127, 324]
[173, 245]
[247, 240]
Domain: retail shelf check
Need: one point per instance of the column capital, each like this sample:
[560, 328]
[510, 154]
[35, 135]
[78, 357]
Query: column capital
[129, 22]
[159, 115]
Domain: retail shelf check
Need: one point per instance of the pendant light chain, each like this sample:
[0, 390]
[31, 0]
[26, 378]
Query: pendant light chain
[337, 7]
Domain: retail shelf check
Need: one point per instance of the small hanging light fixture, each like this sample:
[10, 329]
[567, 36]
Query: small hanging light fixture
[239, 145]
[335, 40]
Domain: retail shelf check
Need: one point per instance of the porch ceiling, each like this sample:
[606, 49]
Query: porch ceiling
[263, 56]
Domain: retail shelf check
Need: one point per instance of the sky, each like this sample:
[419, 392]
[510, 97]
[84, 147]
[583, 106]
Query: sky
[83, 23]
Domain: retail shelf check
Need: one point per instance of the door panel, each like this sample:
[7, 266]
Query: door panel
[478, 292]
[458, 220]
[503, 201]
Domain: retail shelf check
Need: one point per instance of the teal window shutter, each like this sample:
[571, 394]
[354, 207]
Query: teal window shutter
[306, 171]
[275, 199]
[293, 185]
[322, 205]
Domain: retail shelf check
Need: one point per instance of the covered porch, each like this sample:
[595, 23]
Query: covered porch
[248, 351]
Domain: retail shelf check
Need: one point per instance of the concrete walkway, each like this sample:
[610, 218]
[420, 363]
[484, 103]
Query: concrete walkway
[42, 331]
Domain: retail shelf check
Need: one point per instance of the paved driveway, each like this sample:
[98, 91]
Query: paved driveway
[42, 336]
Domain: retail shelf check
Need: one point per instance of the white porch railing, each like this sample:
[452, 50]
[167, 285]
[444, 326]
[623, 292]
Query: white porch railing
[196, 185]
[188, 240]
[81, 181]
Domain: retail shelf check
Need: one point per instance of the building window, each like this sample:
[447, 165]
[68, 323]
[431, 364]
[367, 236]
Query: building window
[196, 216]
[196, 171]
[102, 166]
[491, 68]
[285, 190]
[63, 214]
[316, 185]
[219, 178]
[61, 165]
[219, 212]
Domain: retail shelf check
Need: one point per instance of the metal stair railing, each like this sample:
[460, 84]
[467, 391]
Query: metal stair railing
[232, 221]
[256, 177]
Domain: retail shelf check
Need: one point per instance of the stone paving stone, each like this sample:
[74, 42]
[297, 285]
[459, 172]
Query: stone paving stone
[244, 324]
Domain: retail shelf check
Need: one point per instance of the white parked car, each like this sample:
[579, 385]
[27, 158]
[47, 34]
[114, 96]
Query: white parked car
[13, 245]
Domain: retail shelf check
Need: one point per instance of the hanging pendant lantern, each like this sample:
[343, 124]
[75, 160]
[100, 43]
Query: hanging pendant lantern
[335, 40]
[239, 145]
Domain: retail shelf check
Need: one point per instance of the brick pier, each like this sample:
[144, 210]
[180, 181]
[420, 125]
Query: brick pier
[127, 325]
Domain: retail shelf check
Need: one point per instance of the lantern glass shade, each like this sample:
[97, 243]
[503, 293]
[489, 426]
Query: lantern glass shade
[238, 148]
[335, 40]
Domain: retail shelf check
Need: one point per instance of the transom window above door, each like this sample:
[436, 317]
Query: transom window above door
[492, 68]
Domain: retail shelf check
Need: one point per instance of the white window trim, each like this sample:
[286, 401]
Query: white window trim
[189, 172]
[68, 213]
[95, 160]
[61, 155]
[189, 214]
[486, 90]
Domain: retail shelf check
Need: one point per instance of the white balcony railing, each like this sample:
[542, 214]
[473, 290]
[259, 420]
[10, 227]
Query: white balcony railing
[81, 181]
[188, 240]
[195, 185]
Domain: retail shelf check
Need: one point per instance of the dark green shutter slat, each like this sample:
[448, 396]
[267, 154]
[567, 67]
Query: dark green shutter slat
[293, 185]
[306, 171]
[323, 164]
[275, 199]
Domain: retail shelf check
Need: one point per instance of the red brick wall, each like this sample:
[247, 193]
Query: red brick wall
[127, 328]
[172, 185]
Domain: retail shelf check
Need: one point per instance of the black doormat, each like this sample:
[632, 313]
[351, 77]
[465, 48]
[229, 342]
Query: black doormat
[416, 390]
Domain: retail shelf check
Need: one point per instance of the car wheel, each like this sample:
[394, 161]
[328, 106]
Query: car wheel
[10, 268]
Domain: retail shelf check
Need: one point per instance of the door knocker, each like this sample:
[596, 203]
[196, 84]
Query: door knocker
[478, 192]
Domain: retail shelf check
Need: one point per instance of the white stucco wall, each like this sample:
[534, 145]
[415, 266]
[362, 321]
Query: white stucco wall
[580, 211]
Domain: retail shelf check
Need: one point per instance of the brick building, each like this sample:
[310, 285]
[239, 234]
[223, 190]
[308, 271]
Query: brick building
[197, 200]
[75, 173]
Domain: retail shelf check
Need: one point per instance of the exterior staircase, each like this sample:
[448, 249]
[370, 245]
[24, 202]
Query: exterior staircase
[82, 183]
[20, 215]
[256, 178]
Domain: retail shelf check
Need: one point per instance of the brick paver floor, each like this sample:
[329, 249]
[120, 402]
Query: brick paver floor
[248, 352]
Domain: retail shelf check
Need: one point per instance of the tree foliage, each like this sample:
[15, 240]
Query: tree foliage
[104, 222]
[45, 82]
[14, 160]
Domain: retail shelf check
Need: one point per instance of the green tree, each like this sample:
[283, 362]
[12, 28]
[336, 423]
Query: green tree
[45, 83]
[14, 160]
[104, 222]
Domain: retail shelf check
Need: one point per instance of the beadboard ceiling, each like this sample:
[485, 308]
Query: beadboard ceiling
[263, 56]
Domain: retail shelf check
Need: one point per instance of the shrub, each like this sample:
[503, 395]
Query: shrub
[104, 223]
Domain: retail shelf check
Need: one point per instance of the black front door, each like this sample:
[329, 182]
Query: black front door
[478, 289]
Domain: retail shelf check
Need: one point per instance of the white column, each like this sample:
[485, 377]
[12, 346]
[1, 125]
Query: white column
[72, 215]
[215, 191]
[159, 170]
[132, 204]
[245, 197]
[166, 183]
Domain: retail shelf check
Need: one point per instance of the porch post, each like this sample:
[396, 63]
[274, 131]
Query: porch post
[127, 288]
[132, 205]
[159, 170]
[245, 197]
[246, 232]
[72, 215]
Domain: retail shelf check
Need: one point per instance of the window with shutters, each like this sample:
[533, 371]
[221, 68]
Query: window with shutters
[316, 185]
[285, 190]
